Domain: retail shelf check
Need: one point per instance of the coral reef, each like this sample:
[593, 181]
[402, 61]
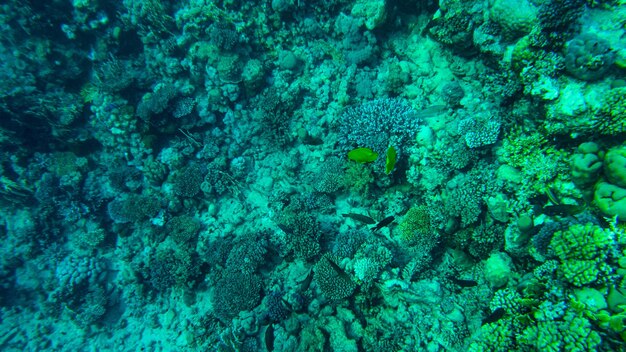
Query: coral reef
[343, 175]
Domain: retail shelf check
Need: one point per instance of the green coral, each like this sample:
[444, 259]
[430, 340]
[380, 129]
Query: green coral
[573, 333]
[498, 336]
[610, 199]
[415, 222]
[615, 165]
[548, 163]
[583, 251]
[359, 178]
[586, 164]
[615, 322]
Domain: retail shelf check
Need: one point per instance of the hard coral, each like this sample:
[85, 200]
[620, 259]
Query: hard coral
[583, 251]
[379, 123]
[416, 223]
[133, 208]
[334, 282]
[572, 333]
[188, 180]
[234, 293]
[611, 119]
[588, 57]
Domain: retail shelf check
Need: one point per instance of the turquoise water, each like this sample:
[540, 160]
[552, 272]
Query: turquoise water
[313, 176]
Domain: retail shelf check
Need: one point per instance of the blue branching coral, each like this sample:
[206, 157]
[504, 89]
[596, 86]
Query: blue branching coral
[379, 123]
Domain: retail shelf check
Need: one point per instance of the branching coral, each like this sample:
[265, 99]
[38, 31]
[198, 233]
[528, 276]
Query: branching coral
[188, 180]
[379, 123]
[234, 293]
[133, 208]
[611, 119]
[332, 280]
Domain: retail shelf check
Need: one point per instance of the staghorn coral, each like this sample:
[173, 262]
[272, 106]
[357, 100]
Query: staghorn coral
[276, 310]
[366, 270]
[302, 231]
[485, 237]
[454, 28]
[330, 176]
[558, 19]
[462, 198]
[247, 253]
[541, 240]
[347, 242]
[157, 101]
[217, 181]
[170, 268]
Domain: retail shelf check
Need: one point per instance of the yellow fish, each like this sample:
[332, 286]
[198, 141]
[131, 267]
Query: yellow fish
[362, 155]
[391, 159]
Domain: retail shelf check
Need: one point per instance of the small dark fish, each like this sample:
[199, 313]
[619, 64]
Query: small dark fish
[287, 304]
[359, 217]
[462, 282]
[269, 337]
[552, 196]
[563, 209]
[304, 285]
[337, 269]
[431, 111]
[285, 229]
[494, 316]
[384, 222]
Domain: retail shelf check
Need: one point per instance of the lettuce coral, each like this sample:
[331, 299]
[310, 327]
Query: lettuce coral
[583, 251]
[572, 334]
